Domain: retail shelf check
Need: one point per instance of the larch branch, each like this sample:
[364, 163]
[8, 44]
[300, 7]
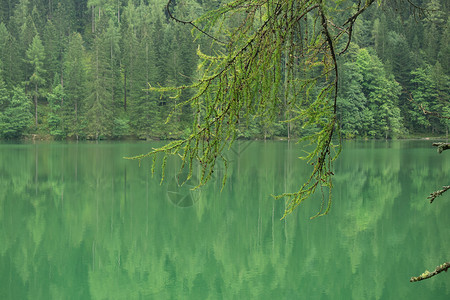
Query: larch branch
[191, 23]
[353, 17]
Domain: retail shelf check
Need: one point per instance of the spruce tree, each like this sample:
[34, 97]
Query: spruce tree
[35, 58]
[100, 108]
[75, 85]
[15, 117]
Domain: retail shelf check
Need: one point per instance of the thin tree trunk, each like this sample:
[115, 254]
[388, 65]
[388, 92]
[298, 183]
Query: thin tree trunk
[93, 19]
[125, 91]
[50, 9]
[35, 105]
[62, 85]
[286, 92]
[112, 70]
[118, 12]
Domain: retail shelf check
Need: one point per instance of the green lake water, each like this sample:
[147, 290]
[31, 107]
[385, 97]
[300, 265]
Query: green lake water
[77, 221]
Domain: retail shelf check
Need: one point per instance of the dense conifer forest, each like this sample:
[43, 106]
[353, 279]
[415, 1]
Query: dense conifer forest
[81, 69]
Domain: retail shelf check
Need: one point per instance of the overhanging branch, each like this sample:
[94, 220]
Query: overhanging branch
[427, 274]
[190, 23]
[442, 146]
[436, 194]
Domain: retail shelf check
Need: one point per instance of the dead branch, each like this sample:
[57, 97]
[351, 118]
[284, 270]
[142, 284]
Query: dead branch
[427, 274]
[425, 111]
[436, 194]
[441, 146]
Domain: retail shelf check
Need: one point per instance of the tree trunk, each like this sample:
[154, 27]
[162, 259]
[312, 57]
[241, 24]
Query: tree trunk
[125, 91]
[62, 85]
[118, 12]
[35, 105]
[93, 19]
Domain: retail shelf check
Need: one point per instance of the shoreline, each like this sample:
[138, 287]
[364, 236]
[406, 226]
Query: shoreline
[48, 138]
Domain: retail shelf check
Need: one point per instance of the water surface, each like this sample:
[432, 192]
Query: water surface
[79, 222]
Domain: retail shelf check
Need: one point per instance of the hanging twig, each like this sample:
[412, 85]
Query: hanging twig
[191, 23]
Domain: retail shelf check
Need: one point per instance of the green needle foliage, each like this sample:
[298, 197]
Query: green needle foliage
[271, 58]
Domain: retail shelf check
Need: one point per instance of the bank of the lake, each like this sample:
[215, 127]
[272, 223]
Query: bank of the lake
[130, 138]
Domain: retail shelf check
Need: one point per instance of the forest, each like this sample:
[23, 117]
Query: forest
[82, 69]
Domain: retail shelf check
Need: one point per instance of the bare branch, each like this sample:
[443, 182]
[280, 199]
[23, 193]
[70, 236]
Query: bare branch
[350, 30]
[333, 56]
[360, 11]
[436, 194]
[425, 111]
[191, 23]
[442, 146]
[427, 274]
[415, 6]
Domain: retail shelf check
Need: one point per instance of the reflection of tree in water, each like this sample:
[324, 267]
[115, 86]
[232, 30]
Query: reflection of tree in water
[30, 224]
[366, 189]
[426, 174]
[203, 253]
[104, 236]
[181, 192]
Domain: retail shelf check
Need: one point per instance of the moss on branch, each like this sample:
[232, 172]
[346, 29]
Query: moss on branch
[438, 193]
[427, 274]
[442, 146]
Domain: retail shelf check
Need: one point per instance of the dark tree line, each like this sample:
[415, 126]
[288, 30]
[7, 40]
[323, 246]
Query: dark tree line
[81, 69]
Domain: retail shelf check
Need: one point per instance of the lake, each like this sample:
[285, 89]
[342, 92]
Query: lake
[77, 221]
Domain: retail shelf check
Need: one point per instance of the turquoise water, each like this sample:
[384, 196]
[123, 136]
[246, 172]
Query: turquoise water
[77, 221]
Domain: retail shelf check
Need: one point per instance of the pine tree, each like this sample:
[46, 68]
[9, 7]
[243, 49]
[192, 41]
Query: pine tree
[15, 118]
[398, 57]
[4, 45]
[144, 110]
[354, 116]
[442, 104]
[145, 119]
[423, 93]
[111, 44]
[382, 93]
[75, 85]
[444, 52]
[24, 30]
[100, 108]
[9, 57]
[35, 57]
[379, 35]
[4, 95]
[433, 26]
[53, 44]
[55, 116]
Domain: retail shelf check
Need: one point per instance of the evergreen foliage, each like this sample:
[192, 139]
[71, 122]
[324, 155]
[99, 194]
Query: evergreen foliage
[108, 53]
[15, 117]
[35, 57]
[75, 80]
[55, 115]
